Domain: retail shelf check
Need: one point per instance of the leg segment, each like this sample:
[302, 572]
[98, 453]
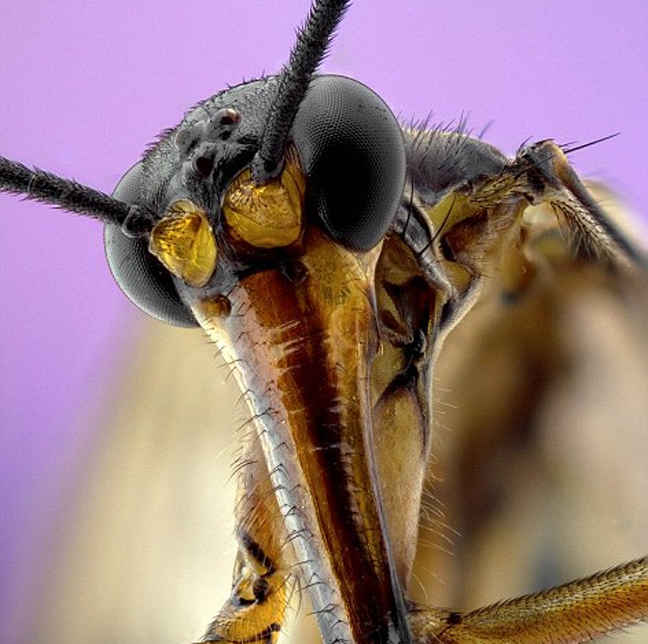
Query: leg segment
[255, 610]
[577, 612]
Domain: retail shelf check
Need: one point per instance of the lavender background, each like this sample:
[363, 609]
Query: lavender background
[86, 85]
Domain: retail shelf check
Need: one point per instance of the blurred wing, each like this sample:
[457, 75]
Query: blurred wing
[146, 551]
[539, 474]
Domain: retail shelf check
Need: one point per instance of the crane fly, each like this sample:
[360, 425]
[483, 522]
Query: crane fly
[387, 291]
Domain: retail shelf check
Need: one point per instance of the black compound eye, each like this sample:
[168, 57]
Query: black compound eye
[139, 274]
[353, 154]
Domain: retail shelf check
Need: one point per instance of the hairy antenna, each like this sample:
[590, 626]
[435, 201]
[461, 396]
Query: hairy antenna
[313, 40]
[69, 195]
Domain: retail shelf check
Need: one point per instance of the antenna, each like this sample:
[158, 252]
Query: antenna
[313, 40]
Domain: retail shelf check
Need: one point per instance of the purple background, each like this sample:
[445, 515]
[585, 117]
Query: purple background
[86, 85]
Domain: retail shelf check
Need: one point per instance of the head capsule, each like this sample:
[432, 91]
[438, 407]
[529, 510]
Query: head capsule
[351, 159]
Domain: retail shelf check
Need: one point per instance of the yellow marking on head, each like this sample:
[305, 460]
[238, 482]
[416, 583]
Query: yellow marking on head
[184, 242]
[267, 216]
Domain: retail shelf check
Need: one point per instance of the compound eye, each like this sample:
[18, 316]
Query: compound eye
[142, 278]
[353, 155]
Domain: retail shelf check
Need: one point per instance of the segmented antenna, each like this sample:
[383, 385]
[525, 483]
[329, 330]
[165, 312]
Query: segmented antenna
[313, 40]
[51, 189]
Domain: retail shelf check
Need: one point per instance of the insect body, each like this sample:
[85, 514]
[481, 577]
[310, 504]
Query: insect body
[438, 239]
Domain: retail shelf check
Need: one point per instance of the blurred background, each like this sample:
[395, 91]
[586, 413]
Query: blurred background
[109, 493]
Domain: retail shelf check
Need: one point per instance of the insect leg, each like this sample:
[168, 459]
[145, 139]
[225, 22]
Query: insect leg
[550, 178]
[479, 220]
[255, 610]
[580, 611]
